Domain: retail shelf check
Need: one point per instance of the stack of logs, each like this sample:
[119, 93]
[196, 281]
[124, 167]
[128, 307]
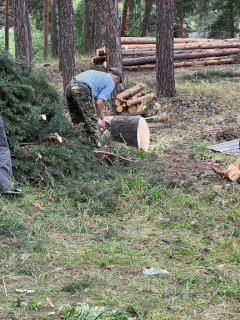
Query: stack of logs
[140, 53]
[133, 100]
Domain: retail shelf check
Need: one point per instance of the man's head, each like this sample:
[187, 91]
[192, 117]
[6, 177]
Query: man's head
[116, 75]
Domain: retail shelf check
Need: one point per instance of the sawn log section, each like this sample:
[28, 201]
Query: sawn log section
[132, 130]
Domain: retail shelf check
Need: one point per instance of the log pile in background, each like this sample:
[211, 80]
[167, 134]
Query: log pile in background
[133, 100]
[140, 53]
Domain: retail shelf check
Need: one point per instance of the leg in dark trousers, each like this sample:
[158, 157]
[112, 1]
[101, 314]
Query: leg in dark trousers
[82, 108]
[6, 177]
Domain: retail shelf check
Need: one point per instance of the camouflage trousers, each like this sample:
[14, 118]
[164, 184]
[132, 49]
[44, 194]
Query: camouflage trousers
[81, 105]
[6, 177]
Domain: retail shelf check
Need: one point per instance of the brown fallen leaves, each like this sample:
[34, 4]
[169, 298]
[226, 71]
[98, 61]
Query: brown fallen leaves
[232, 172]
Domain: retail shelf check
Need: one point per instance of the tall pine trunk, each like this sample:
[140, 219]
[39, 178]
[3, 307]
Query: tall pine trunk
[113, 36]
[124, 17]
[112, 23]
[22, 32]
[67, 54]
[99, 22]
[164, 46]
[87, 26]
[45, 30]
[54, 29]
[146, 17]
[7, 25]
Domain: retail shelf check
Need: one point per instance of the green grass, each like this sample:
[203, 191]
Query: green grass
[83, 244]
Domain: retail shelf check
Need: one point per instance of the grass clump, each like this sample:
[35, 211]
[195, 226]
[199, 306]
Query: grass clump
[78, 284]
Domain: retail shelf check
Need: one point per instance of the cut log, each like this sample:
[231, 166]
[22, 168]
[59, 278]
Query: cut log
[178, 64]
[132, 109]
[137, 40]
[118, 102]
[56, 137]
[149, 40]
[232, 172]
[206, 53]
[183, 56]
[138, 108]
[131, 91]
[119, 108]
[133, 131]
[133, 102]
[203, 62]
[101, 51]
[139, 52]
[216, 45]
[184, 45]
[139, 67]
[98, 59]
[138, 46]
[42, 117]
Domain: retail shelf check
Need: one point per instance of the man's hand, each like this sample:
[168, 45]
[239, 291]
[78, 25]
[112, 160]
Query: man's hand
[101, 123]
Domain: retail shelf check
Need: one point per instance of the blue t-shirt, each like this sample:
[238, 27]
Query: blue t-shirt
[101, 83]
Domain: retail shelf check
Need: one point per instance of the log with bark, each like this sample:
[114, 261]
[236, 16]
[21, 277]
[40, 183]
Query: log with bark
[132, 131]
[149, 40]
[181, 56]
[179, 64]
[98, 59]
[232, 173]
[131, 91]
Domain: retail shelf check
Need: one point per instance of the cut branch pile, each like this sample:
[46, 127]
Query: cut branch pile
[134, 100]
[140, 53]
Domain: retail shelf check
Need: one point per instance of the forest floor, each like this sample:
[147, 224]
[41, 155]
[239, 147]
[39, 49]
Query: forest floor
[172, 213]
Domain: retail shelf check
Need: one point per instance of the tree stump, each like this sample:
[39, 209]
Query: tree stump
[132, 130]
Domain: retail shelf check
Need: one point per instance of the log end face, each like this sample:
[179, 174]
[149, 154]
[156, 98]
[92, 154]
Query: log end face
[143, 135]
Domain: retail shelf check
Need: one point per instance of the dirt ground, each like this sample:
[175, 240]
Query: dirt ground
[198, 116]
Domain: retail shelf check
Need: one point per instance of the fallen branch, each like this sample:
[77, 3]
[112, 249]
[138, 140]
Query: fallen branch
[232, 172]
[107, 154]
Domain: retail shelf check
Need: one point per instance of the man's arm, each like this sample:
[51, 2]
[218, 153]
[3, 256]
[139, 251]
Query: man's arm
[99, 108]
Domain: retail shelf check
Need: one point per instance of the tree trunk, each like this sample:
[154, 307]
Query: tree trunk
[45, 30]
[146, 17]
[164, 45]
[133, 131]
[114, 55]
[87, 26]
[231, 19]
[22, 33]
[7, 25]
[98, 33]
[54, 29]
[113, 35]
[66, 40]
[124, 17]
[181, 31]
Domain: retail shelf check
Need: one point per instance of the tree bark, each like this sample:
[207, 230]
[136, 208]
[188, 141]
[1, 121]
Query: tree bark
[87, 26]
[146, 17]
[45, 30]
[66, 40]
[98, 34]
[114, 55]
[181, 31]
[131, 91]
[7, 25]
[164, 46]
[124, 17]
[54, 29]
[22, 33]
